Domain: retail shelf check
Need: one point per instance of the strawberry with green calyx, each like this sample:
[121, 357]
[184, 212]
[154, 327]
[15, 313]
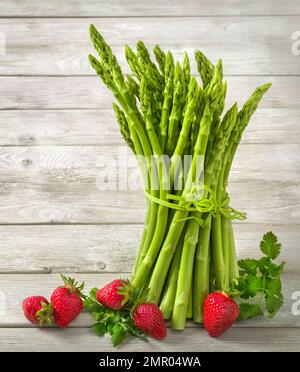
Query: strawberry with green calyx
[220, 312]
[133, 315]
[117, 323]
[148, 318]
[67, 302]
[114, 295]
[259, 279]
[38, 310]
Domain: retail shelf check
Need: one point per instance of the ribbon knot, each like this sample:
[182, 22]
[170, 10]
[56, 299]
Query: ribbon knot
[193, 201]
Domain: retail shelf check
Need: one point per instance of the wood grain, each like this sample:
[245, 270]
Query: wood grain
[89, 93]
[56, 123]
[67, 202]
[78, 340]
[68, 184]
[247, 45]
[14, 288]
[99, 127]
[112, 248]
[119, 8]
[77, 165]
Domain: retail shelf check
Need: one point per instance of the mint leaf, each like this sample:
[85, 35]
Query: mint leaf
[270, 245]
[99, 328]
[248, 311]
[248, 265]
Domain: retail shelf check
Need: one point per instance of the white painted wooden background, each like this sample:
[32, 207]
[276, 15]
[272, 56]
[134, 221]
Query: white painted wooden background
[56, 122]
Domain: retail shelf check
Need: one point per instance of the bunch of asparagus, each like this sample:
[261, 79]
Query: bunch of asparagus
[187, 248]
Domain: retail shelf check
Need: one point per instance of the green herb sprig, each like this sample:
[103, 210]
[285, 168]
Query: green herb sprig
[260, 280]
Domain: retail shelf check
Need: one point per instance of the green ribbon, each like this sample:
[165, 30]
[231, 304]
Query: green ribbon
[194, 202]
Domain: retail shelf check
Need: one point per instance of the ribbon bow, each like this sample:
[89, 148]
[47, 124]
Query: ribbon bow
[193, 201]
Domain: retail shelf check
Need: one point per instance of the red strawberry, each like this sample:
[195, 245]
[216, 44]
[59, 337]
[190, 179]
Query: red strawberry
[220, 312]
[149, 319]
[66, 301]
[109, 296]
[37, 310]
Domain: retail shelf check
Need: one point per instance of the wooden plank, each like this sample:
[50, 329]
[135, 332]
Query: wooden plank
[99, 127]
[112, 248]
[80, 202]
[85, 165]
[14, 288]
[78, 340]
[103, 8]
[89, 93]
[68, 184]
[62, 127]
[247, 45]
[89, 248]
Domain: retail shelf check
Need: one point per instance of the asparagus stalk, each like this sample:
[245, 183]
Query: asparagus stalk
[202, 270]
[160, 57]
[155, 246]
[163, 110]
[167, 251]
[167, 302]
[189, 313]
[191, 236]
[205, 68]
[168, 97]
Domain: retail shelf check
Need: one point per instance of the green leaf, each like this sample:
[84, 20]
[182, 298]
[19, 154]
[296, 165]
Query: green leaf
[270, 245]
[93, 293]
[263, 265]
[250, 285]
[254, 284]
[273, 303]
[90, 303]
[118, 337]
[273, 296]
[248, 311]
[275, 271]
[99, 328]
[91, 306]
[273, 285]
[248, 265]
[280, 268]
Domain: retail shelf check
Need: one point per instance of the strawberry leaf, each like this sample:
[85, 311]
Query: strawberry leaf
[270, 245]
